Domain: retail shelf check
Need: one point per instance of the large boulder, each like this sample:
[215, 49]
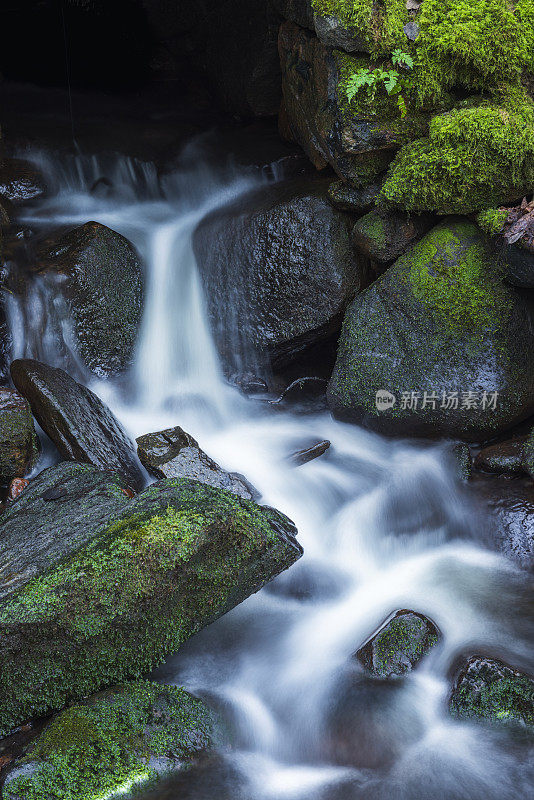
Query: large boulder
[128, 735]
[173, 453]
[18, 441]
[153, 573]
[438, 345]
[278, 272]
[77, 421]
[104, 291]
[383, 235]
[488, 690]
[399, 645]
[20, 181]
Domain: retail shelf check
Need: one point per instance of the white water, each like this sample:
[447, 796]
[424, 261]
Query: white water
[384, 525]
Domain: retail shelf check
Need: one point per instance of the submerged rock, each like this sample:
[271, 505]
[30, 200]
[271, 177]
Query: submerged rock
[438, 345]
[398, 645]
[104, 288]
[139, 583]
[77, 421]
[128, 735]
[486, 689]
[309, 453]
[20, 181]
[173, 453]
[18, 441]
[278, 271]
[504, 458]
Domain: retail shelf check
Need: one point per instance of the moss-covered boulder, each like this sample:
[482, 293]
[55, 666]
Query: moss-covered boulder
[355, 200]
[154, 572]
[278, 271]
[173, 453]
[383, 235]
[18, 441]
[446, 345]
[101, 277]
[488, 690]
[398, 645]
[120, 739]
[81, 426]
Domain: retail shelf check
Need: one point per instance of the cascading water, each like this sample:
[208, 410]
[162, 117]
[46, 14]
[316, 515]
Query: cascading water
[384, 525]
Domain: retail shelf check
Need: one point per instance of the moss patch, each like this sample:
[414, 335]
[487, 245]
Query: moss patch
[492, 220]
[379, 24]
[111, 742]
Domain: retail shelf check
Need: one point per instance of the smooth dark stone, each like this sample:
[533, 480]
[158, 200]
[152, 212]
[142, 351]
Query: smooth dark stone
[173, 453]
[356, 200]
[81, 426]
[309, 453]
[398, 645]
[19, 448]
[302, 391]
[384, 235]
[21, 181]
[510, 525]
[333, 33]
[504, 458]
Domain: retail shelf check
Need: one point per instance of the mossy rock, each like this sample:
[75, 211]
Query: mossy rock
[383, 235]
[19, 447]
[123, 738]
[154, 572]
[488, 690]
[104, 289]
[399, 645]
[439, 321]
[527, 454]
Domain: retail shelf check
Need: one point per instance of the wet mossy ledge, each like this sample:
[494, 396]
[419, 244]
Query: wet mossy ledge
[131, 590]
[465, 143]
[124, 738]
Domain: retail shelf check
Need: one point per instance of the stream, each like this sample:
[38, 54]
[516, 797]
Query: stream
[385, 525]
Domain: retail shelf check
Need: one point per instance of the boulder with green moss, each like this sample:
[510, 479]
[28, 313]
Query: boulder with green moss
[143, 579]
[398, 645]
[488, 690]
[120, 739]
[441, 332]
[384, 235]
[18, 441]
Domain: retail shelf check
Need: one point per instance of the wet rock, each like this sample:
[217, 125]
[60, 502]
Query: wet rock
[352, 199]
[504, 458]
[462, 461]
[298, 11]
[509, 528]
[16, 487]
[399, 645]
[439, 321]
[20, 181]
[5, 342]
[104, 289]
[249, 383]
[489, 690]
[141, 582]
[81, 426]
[6, 215]
[384, 235]
[278, 271]
[302, 392]
[518, 262]
[59, 512]
[411, 29]
[19, 449]
[333, 33]
[132, 733]
[173, 453]
[309, 453]
[527, 456]
[314, 111]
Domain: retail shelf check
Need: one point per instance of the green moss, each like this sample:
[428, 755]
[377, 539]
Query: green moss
[177, 557]
[401, 637]
[492, 220]
[461, 293]
[380, 25]
[100, 747]
[474, 158]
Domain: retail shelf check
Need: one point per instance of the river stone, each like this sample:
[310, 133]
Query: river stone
[173, 453]
[103, 288]
[509, 527]
[278, 271]
[489, 690]
[132, 733]
[504, 458]
[58, 513]
[352, 199]
[20, 181]
[5, 343]
[298, 11]
[81, 426]
[399, 645]
[157, 570]
[18, 441]
[518, 261]
[440, 320]
[384, 235]
[333, 33]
